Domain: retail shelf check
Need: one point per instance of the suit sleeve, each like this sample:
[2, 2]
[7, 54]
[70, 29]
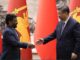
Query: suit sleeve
[76, 33]
[50, 37]
[10, 39]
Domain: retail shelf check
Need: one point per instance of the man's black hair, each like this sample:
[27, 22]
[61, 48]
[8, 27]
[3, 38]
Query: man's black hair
[9, 17]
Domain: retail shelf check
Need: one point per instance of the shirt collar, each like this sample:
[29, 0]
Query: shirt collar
[66, 20]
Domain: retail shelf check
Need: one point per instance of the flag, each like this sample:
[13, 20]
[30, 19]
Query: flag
[1, 9]
[19, 8]
[0, 43]
[75, 9]
[45, 25]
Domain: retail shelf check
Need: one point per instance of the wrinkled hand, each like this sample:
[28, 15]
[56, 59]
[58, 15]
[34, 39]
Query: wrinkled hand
[40, 41]
[31, 45]
[74, 56]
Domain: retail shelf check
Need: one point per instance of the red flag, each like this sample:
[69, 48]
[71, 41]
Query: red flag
[46, 23]
[19, 8]
[75, 9]
[0, 43]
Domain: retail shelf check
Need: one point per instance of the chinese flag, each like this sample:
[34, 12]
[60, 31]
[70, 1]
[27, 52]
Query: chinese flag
[75, 9]
[45, 25]
[19, 8]
[0, 44]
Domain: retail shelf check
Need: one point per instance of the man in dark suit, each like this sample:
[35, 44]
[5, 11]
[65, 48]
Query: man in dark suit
[11, 44]
[67, 34]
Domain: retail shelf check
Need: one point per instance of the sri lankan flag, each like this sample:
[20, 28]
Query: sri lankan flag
[75, 9]
[19, 8]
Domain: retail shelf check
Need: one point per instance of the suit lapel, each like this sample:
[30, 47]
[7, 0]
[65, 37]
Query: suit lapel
[67, 27]
[58, 31]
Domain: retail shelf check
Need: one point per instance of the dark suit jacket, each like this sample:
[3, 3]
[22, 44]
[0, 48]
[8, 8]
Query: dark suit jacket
[68, 42]
[11, 45]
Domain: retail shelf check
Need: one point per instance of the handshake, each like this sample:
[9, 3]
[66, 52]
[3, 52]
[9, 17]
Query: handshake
[39, 42]
[30, 45]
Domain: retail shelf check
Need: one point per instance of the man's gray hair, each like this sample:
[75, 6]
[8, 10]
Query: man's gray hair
[60, 4]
